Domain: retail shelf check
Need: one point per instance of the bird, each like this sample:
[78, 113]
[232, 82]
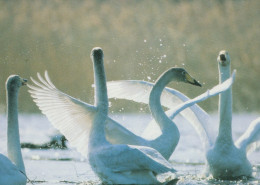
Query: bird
[201, 122]
[12, 170]
[228, 160]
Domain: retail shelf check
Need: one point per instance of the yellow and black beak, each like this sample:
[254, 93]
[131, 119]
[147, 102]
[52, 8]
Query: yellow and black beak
[24, 81]
[191, 80]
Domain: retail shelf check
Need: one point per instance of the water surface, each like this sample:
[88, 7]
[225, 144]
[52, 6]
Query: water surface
[60, 167]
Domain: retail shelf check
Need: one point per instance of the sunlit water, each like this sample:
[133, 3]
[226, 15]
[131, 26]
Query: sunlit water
[69, 167]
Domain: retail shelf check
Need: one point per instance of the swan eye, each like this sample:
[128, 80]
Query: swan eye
[183, 72]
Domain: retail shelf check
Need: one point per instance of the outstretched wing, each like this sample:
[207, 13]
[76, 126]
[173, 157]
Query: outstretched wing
[70, 116]
[74, 118]
[250, 140]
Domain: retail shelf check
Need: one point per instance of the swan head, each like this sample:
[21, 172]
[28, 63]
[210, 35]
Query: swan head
[14, 82]
[223, 58]
[97, 54]
[183, 76]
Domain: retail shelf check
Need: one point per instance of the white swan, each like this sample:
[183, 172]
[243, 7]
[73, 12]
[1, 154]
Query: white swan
[12, 171]
[227, 160]
[139, 91]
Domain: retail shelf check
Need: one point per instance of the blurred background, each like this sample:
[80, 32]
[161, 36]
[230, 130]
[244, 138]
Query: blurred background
[140, 39]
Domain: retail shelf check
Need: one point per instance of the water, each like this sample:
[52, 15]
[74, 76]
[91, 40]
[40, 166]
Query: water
[69, 167]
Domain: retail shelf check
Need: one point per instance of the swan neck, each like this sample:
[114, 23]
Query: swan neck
[225, 107]
[155, 102]
[13, 136]
[97, 134]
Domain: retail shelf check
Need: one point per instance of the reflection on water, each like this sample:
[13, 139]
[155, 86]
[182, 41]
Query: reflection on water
[59, 167]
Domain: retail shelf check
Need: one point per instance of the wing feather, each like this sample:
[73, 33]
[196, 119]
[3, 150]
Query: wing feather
[71, 116]
[250, 140]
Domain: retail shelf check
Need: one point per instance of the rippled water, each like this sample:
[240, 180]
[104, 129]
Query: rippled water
[69, 167]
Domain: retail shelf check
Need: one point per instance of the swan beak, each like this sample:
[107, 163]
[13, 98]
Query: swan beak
[24, 81]
[191, 80]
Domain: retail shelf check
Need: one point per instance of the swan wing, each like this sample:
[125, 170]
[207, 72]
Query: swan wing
[122, 158]
[70, 116]
[250, 140]
[74, 118]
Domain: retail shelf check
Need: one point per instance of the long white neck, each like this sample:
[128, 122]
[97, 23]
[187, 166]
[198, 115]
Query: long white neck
[13, 137]
[168, 127]
[97, 134]
[225, 108]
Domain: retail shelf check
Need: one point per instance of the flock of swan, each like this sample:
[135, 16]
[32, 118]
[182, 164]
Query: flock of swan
[119, 156]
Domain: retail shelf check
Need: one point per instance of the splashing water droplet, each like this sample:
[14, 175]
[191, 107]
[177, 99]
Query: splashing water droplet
[160, 44]
[164, 56]
[148, 77]
[109, 104]
[145, 41]
[160, 61]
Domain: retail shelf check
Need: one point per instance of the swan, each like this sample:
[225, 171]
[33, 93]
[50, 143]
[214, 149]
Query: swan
[139, 91]
[226, 159]
[12, 170]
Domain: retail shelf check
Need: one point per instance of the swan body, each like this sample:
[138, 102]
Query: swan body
[217, 148]
[113, 163]
[12, 171]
